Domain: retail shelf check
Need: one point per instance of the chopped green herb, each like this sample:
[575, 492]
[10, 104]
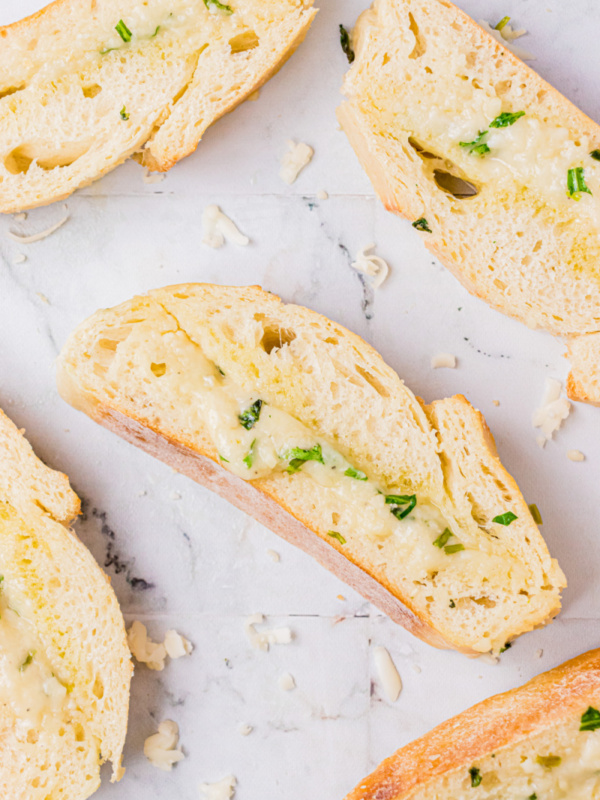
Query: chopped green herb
[548, 762]
[506, 518]
[223, 458]
[506, 647]
[356, 474]
[590, 721]
[504, 21]
[249, 459]
[220, 370]
[576, 183]
[297, 456]
[442, 539]
[123, 31]
[397, 501]
[532, 796]
[453, 548]
[346, 46]
[155, 32]
[123, 114]
[595, 154]
[249, 418]
[336, 535]
[214, 7]
[452, 604]
[535, 513]
[27, 661]
[475, 776]
[108, 50]
[477, 147]
[506, 118]
[421, 224]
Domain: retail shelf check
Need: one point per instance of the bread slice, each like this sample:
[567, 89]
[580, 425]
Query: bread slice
[539, 741]
[84, 84]
[64, 663]
[182, 373]
[425, 85]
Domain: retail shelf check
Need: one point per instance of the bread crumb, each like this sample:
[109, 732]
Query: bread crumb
[552, 412]
[177, 645]
[389, 676]
[20, 258]
[488, 658]
[539, 653]
[43, 298]
[575, 455]
[496, 402]
[322, 195]
[153, 654]
[293, 162]
[161, 748]
[416, 668]
[286, 682]
[218, 227]
[262, 640]
[21, 216]
[274, 555]
[153, 177]
[341, 597]
[254, 96]
[221, 790]
[35, 237]
[443, 360]
[246, 729]
[507, 38]
[371, 265]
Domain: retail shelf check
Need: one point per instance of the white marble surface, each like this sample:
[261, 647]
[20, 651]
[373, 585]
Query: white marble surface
[180, 556]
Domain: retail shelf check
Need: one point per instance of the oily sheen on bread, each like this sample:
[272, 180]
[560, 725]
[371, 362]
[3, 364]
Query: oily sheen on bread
[498, 171]
[64, 663]
[84, 84]
[539, 741]
[300, 423]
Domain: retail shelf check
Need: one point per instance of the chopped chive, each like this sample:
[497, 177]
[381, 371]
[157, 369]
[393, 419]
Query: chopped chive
[356, 474]
[155, 32]
[421, 224]
[475, 776]
[123, 114]
[123, 31]
[590, 721]
[576, 183]
[442, 539]
[336, 535]
[595, 154]
[249, 418]
[249, 459]
[506, 518]
[506, 118]
[297, 457]
[399, 500]
[346, 46]
[214, 7]
[223, 458]
[504, 21]
[453, 548]
[548, 762]
[27, 661]
[535, 513]
[220, 370]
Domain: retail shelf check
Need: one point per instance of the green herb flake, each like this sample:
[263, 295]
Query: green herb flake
[475, 776]
[595, 154]
[504, 21]
[506, 518]
[532, 796]
[356, 474]
[590, 721]
[452, 604]
[226, 460]
[506, 118]
[477, 147]
[535, 513]
[548, 762]
[336, 535]
[155, 32]
[249, 459]
[249, 418]
[442, 539]
[297, 457]
[505, 647]
[123, 31]
[346, 46]
[421, 224]
[27, 661]
[402, 504]
[123, 114]
[453, 548]
[215, 7]
[576, 183]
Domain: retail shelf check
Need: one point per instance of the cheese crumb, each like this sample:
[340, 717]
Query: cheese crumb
[496, 402]
[539, 653]
[274, 555]
[153, 654]
[177, 645]
[552, 413]
[218, 227]
[21, 216]
[575, 455]
[246, 729]
[322, 195]
[293, 162]
[506, 37]
[371, 265]
[287, 682]
[262, 640]
[221, 790]
[20, 258]
[388, 674]
[161, 748]
[443, 360]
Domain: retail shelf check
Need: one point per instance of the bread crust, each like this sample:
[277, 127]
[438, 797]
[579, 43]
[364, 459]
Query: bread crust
[488, 727]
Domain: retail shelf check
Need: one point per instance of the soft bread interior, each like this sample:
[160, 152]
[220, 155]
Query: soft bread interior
[584, 379]
[64, 662]
[73, 107]
[322, 387]
[524, 744]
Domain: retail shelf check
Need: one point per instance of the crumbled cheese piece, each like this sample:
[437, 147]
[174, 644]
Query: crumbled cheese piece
[161, 748]
[575, 455]
[262, 640]
[153, 177]
[274, 555]
[35, 237]
[510, 34]
[20, 217]
[286, 682]
[443, 360]
[20, 258]
[246, 729]
[488, 658]
[553, 411]
[176, 495]
[177, 645]
[507, 38]
[416, 668]
[218, 227]
[221, 790]
[322, 195]
[143, 649]
[254, 96]
[371, 265]
[539, 653]
[293, 162]
[388, 674]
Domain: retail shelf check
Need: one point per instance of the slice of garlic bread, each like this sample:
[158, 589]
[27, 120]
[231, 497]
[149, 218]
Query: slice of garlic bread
[498, 171]
[300, 423]
[84, 84]
[64, 663]
[537, 742]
